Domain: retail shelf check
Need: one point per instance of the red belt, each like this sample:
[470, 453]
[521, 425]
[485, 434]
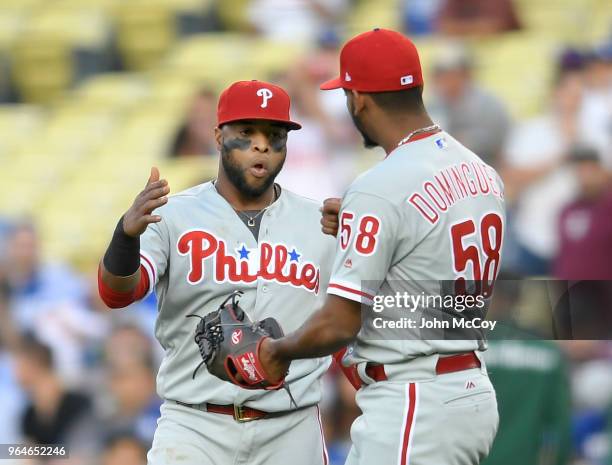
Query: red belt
[240, 413]
[445, 365]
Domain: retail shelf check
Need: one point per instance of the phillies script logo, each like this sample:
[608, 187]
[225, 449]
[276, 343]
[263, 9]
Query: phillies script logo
[236, 336]
[276, 262]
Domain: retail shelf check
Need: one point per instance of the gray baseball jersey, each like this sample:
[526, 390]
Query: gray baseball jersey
[431, 211]
[202, 251]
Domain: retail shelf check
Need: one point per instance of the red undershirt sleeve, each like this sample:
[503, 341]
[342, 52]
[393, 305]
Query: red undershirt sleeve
[115, 299]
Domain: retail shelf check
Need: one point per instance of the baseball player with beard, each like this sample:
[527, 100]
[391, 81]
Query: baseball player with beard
[430, 215]
[239, 232]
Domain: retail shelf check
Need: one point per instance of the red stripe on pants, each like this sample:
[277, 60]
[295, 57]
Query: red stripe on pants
[409, 422]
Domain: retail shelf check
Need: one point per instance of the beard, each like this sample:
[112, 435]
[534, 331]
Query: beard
[237, 175]
[368, 142]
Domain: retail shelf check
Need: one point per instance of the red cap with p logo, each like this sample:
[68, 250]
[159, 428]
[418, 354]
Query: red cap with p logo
[254, 100]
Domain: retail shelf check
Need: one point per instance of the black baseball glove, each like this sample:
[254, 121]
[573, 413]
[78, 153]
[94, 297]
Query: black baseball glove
[229, 345]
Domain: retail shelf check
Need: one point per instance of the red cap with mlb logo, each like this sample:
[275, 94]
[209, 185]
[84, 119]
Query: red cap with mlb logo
[253, 100]
[378, 61]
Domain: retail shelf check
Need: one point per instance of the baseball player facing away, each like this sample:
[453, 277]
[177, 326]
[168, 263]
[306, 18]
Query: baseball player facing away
[431, 210]
[239, 232]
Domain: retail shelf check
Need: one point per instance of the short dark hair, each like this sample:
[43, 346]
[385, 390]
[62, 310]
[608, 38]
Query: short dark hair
[400, 101]
[583, 153]
[32, 348]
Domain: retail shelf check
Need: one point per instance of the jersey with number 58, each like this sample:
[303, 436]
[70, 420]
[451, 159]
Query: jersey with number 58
[431, 212]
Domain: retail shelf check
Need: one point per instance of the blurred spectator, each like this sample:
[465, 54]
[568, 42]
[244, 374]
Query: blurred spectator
[538, 183]
[339, 410]
[8, 334]
[472, 115]
[420, 16]
[35, 286]
[53, 415]
[585, 225]
[71, 330]
[300, 21]
[328, 108]
[583, 304]
[128, 343]
[477, 17]
[324, 148]
[47, 300]
[197, 134]
[12, 401]
[11, 397]
[592, 387]
[595, 118]
[142, 314]
[124, 449]
[537, 420]
[132, 403]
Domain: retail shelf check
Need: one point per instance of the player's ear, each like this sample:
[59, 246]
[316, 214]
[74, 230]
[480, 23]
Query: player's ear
[218, 138]
[357, 100]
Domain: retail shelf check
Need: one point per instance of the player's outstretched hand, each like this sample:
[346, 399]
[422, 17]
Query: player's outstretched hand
[329, 218]
[154, 195]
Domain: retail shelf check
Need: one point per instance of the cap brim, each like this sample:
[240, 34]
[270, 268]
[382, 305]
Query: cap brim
[291, 125]
[331, 84]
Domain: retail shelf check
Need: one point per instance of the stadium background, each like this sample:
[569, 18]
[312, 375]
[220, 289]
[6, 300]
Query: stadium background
[95, 92]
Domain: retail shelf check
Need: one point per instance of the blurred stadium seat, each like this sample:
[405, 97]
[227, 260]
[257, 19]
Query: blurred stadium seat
[57, 47]
[368, 15]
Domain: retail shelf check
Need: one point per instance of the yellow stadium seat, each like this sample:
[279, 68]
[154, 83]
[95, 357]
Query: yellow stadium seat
[232, 14]
[86, 27]
[366, 15]
[23, 198]
[268, 57]
[108, 6]
[174, 88]
[21, 4]
[42, 68]
[115, 90]
[18, 123]
[43, 65]
[12, 23]
[146, 30]
[211, 55]
[183, 173]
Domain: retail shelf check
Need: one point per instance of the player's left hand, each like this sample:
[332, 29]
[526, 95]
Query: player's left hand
[329, 216]
[274, 367]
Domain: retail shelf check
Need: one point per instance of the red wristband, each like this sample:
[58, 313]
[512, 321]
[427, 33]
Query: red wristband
[116, 299]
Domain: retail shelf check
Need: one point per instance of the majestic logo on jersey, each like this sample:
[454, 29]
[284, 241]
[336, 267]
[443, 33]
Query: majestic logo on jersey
[270, 262]
[265, 94]
[236, 336]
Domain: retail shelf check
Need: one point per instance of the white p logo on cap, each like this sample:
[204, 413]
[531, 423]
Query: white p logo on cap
[406, 80]
[265, 94]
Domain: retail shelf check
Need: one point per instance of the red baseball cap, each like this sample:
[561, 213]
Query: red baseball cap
[378, 61]
[256, 100]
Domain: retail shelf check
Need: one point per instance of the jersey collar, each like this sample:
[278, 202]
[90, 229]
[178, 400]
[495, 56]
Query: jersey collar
[416, 137]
